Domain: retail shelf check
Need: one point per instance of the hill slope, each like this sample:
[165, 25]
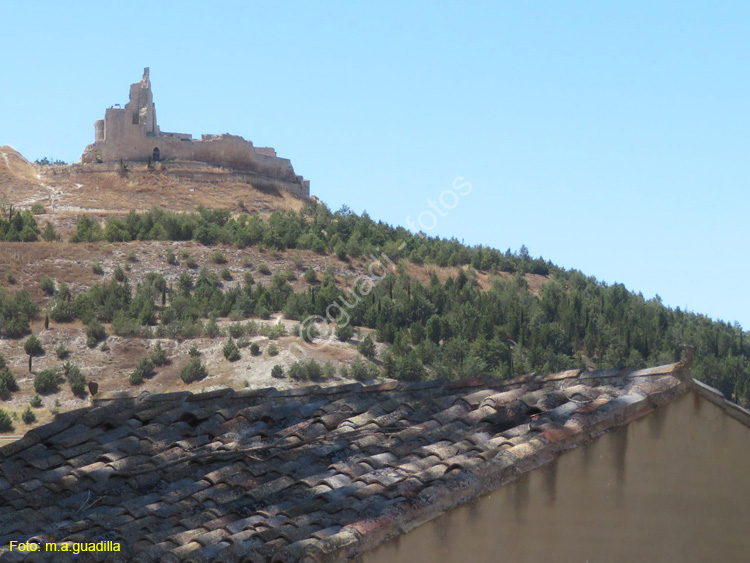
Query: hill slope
[222, 281]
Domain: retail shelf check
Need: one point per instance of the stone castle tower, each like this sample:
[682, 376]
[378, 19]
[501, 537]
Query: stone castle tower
[132, 134]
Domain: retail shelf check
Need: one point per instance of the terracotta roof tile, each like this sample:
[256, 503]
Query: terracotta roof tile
[318, 472]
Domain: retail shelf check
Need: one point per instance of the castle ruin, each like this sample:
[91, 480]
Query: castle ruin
[132, 134]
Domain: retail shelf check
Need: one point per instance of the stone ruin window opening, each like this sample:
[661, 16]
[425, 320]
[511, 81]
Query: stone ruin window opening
[157, 155]
[135, 118]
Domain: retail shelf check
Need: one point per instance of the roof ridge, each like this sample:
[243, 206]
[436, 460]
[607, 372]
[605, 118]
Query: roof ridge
[66, 419]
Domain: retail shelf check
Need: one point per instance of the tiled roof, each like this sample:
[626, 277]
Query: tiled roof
[309, 474]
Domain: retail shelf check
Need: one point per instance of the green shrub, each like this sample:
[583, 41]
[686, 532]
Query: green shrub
[255, 349]
[8, 383]
[344, 332]
[194, 352]
[8, 378]
[28, 416]
[96, 267]
[75, 378]
[116, 230]
[171, 258]
[159, 355]
[226, 275]
[131, 257]
[236, 330]
[249, 279]
[36, 402]
[310, 333]
[63, 292]
[185, 284]
[94, 333]
[33, 346]
[211, 330]
[273, 350]
[142, 371]
[47, 285]
[62, 351]
[49, 233]
[231, 352]
[193, 371]
[15, 328]
[46, 381]
[38, 208]
[340, 250]
[6, 424]
[264, 269]
[313, 369]
[218, 257]
[78, 386]
[5, 393]
[309, 370]
[311, 276]
[62, 309]
[276, 331]
[123, 325]
[191, 263]
[277, 371]
[362, 370]
[87, 230]
[18, 227]
[10, 277]
[367, 347]
[119, 274]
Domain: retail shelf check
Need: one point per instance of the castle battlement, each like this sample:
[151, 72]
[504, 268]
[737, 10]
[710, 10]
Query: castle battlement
[132, 134]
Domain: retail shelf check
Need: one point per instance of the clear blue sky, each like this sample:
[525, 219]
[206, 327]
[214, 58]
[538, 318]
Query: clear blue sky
[611, 137]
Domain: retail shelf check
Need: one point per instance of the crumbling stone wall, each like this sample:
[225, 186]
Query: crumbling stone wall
[132, 134]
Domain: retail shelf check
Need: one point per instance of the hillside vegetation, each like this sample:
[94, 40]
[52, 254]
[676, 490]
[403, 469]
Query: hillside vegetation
[162, 300]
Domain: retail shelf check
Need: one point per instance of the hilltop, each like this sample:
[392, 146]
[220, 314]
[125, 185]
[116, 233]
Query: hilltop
[110, 189]
[15, 170]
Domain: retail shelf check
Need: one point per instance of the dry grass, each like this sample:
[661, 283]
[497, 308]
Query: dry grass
[103, 189]
[16, 167]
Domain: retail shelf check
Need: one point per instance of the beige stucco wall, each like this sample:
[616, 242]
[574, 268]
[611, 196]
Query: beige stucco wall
[672, 487]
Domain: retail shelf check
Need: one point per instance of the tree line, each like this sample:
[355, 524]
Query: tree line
[447, 329]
